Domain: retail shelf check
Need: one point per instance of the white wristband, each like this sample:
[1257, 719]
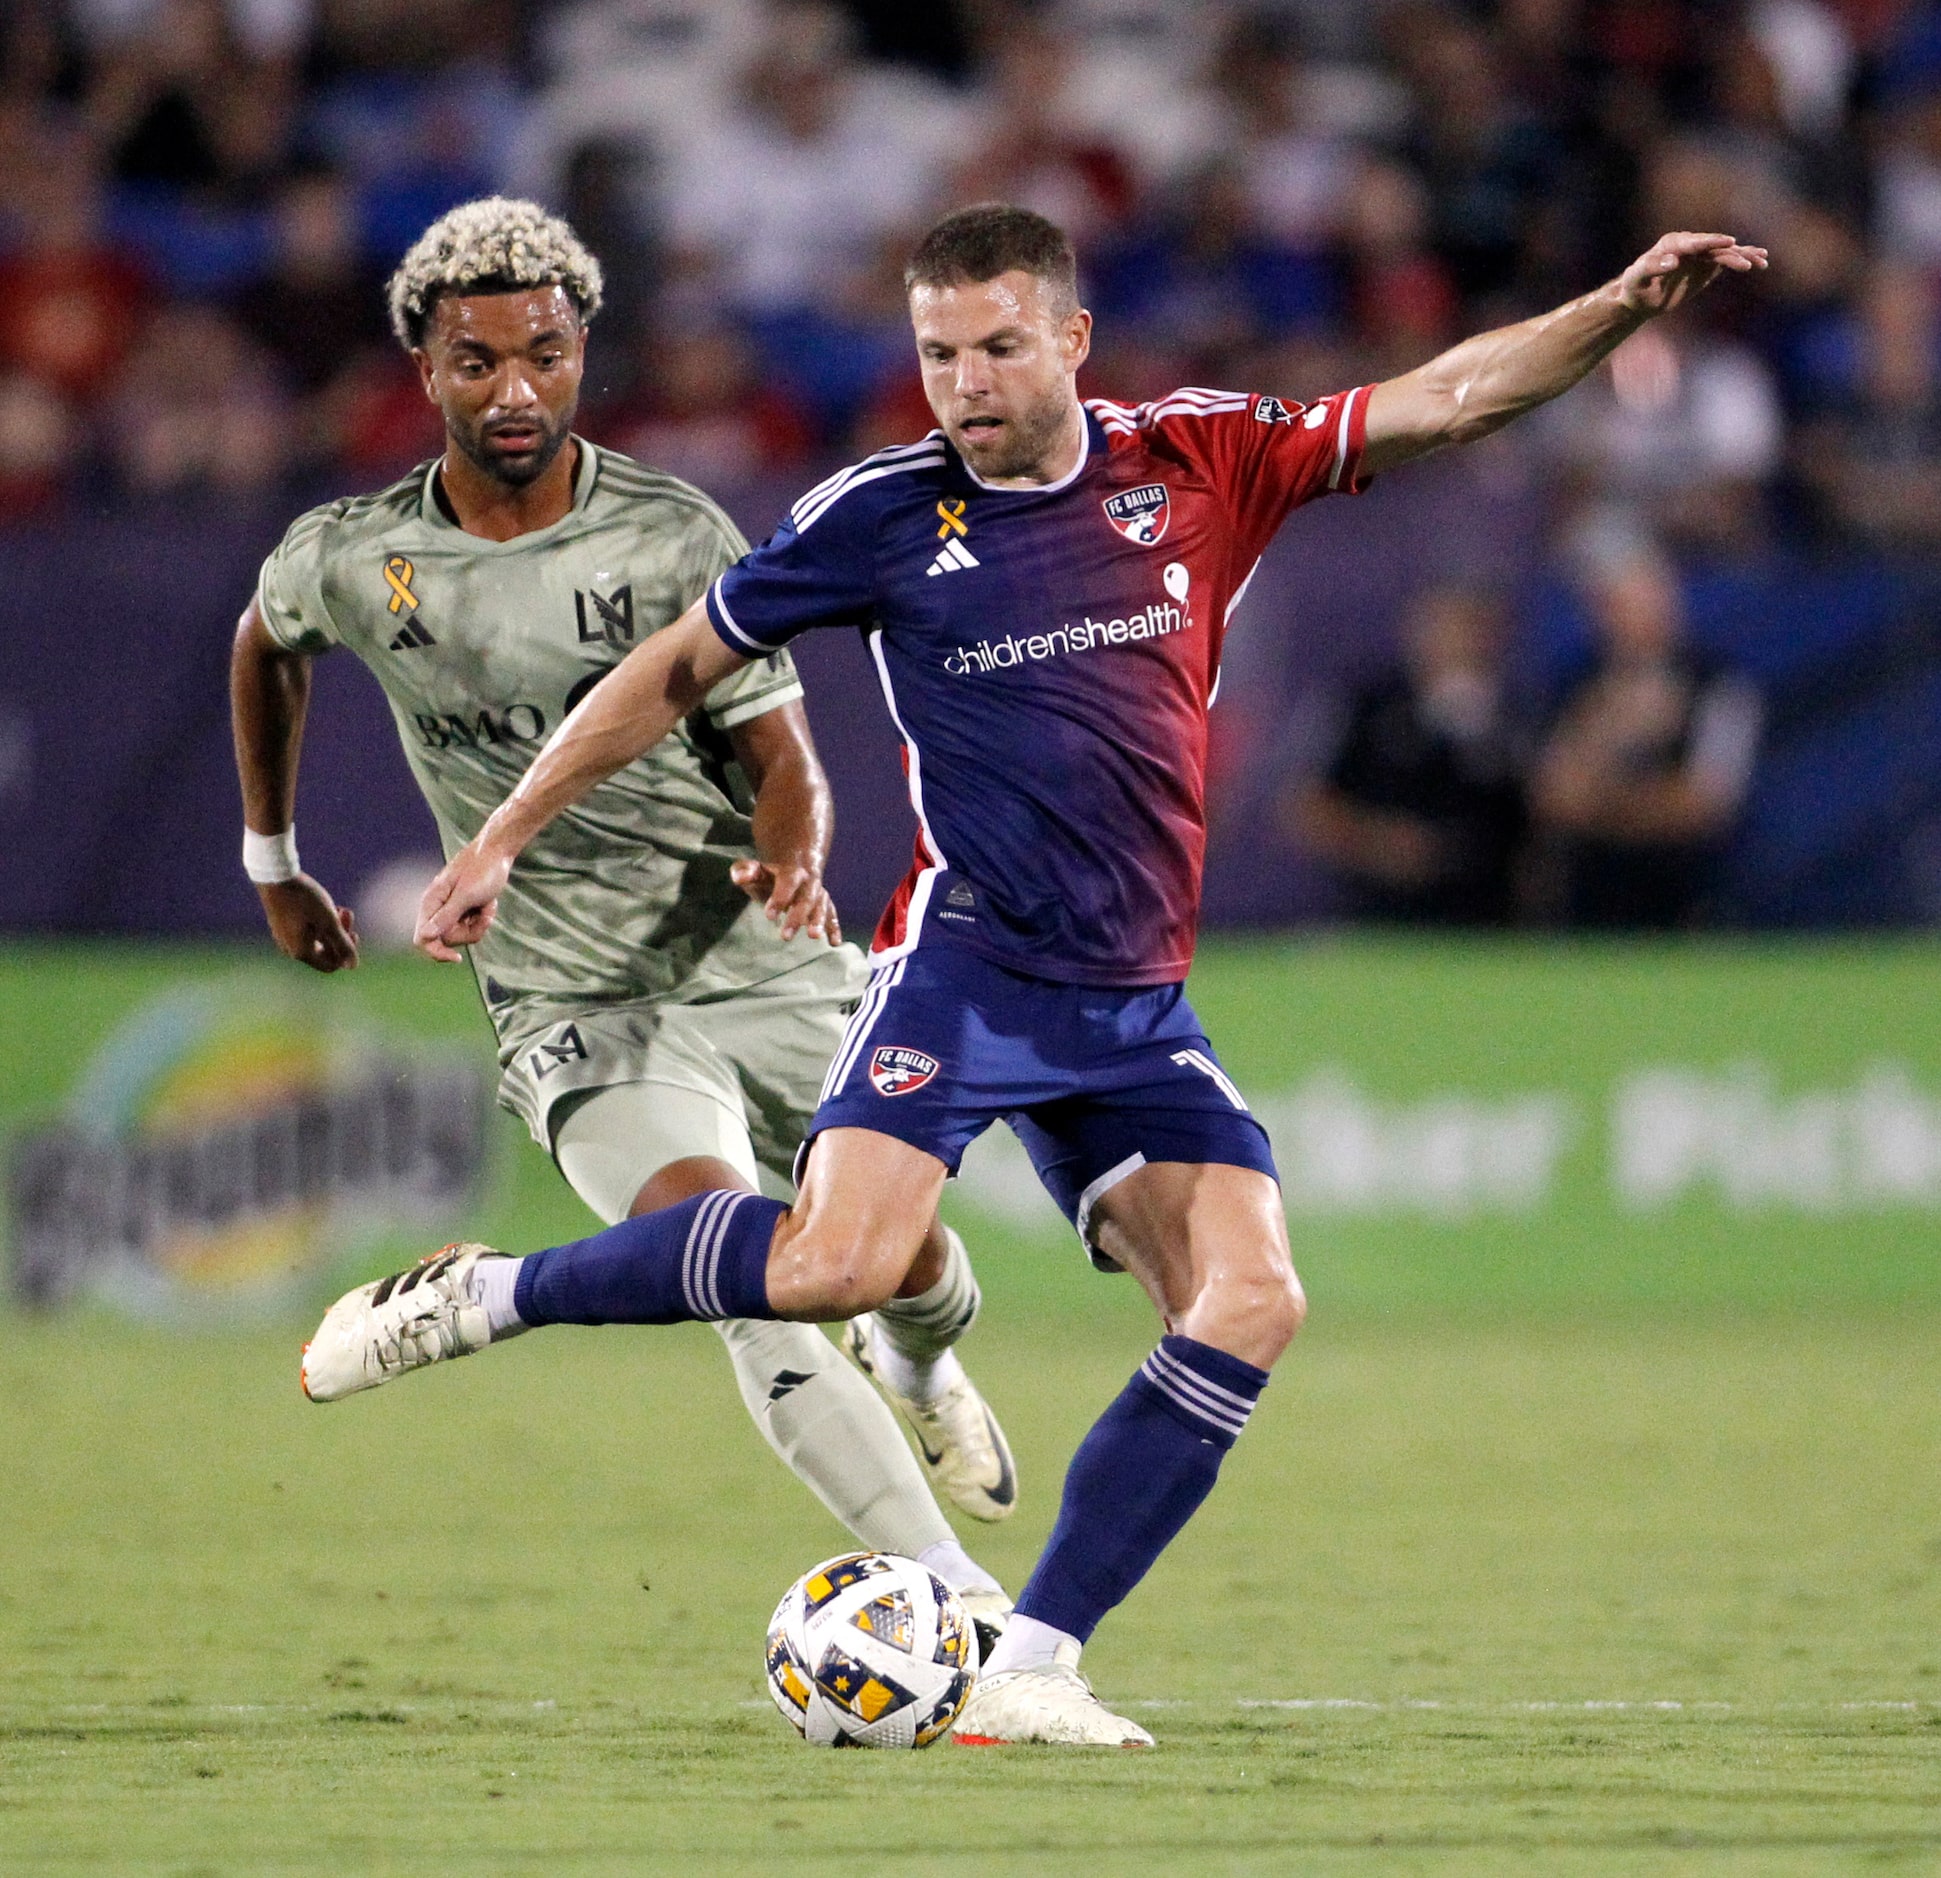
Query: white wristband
[270, 859]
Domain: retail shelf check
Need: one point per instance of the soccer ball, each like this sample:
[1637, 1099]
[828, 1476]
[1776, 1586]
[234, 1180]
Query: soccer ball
[871, 1651]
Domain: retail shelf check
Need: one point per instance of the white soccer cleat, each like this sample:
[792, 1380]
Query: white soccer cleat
[958, 1437]
[415, 1317]
[1053, 1704]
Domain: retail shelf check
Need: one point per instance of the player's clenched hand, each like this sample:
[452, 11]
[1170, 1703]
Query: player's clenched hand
[1679, 266]
[792, 896]
[308, 925]
[459, 906]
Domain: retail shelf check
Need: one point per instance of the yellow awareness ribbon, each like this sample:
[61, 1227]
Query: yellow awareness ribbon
[953, 514]
[397, 576]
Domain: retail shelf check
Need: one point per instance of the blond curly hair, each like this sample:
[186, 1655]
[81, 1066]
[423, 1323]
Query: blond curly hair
[498, 244]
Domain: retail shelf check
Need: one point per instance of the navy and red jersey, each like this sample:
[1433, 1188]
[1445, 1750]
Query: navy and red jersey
[1049, 655]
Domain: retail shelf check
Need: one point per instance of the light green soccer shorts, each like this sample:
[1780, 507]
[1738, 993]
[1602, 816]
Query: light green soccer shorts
[616, 1091]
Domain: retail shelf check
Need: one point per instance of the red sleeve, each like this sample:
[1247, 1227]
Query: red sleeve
[1267, 455]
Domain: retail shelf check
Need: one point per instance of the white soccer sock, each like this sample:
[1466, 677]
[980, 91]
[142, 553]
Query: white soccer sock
[490, 1282]
[1028, 1644]
[956, 1567]
[838, 1435]
[912, 1345]
[922, 1379]
[816, 1410]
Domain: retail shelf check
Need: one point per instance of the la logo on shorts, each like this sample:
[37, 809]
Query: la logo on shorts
[1139, 514]
[895, 1071]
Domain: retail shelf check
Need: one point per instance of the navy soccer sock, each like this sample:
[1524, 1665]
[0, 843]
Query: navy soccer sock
[1137, 1478]
[705, 1258]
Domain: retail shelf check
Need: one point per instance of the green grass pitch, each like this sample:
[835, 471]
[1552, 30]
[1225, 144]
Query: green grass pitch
[1537, 1598]
[1497, 1583]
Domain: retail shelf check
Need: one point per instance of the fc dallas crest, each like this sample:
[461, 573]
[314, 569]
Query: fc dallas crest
[895, 1071]
[1139, 514]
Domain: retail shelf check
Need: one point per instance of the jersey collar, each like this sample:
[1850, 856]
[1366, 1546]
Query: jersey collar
[584, 479]
[1094, 442]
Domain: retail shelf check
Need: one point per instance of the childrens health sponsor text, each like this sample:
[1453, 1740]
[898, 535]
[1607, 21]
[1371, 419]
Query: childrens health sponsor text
[1087, 635]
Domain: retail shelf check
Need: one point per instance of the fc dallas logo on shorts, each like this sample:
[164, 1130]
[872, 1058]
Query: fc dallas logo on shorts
[895, 1071]
[1139, 514]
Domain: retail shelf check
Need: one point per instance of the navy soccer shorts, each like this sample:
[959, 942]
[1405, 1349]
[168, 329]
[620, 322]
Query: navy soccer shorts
[1095, 1081]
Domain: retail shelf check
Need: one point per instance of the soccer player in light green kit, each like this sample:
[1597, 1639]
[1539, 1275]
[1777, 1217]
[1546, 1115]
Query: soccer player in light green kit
[666, 976]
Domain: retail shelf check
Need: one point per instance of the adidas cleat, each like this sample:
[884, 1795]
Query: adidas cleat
[1054, 1705]
[415, 1317]
[958, 1437]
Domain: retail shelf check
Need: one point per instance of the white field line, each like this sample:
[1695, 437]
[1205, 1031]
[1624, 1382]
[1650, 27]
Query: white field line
[350, 1700]
[1296, 1703]
[1575, 1708]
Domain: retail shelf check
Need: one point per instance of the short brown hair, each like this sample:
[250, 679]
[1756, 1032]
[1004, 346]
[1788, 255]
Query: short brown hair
[992, 238]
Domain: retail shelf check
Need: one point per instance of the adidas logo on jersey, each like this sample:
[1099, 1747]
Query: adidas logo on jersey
[953, 556]
[398, 576]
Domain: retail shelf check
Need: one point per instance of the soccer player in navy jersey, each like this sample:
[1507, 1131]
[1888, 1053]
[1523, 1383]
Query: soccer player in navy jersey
[1044, 584]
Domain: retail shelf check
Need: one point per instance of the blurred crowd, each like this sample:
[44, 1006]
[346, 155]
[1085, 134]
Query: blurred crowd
[200, 198]
[1449, 798]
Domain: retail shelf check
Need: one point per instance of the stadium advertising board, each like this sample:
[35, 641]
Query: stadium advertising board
[1455, 1123]
[219, 1143]
[1580, 1121]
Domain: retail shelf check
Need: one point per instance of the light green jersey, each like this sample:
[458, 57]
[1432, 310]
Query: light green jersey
[482, 647]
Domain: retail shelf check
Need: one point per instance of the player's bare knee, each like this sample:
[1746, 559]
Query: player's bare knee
[1254, 1315]
[833, 1275]
[855, 1287]
[1275, 1308]
[1293, 1305]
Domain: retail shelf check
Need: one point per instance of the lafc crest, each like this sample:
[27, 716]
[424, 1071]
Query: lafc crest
[605, 618]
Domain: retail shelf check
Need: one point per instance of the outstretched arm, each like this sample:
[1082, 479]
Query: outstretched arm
[622, 717]
[795, 820]
[1478, 386]
[269, 697]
